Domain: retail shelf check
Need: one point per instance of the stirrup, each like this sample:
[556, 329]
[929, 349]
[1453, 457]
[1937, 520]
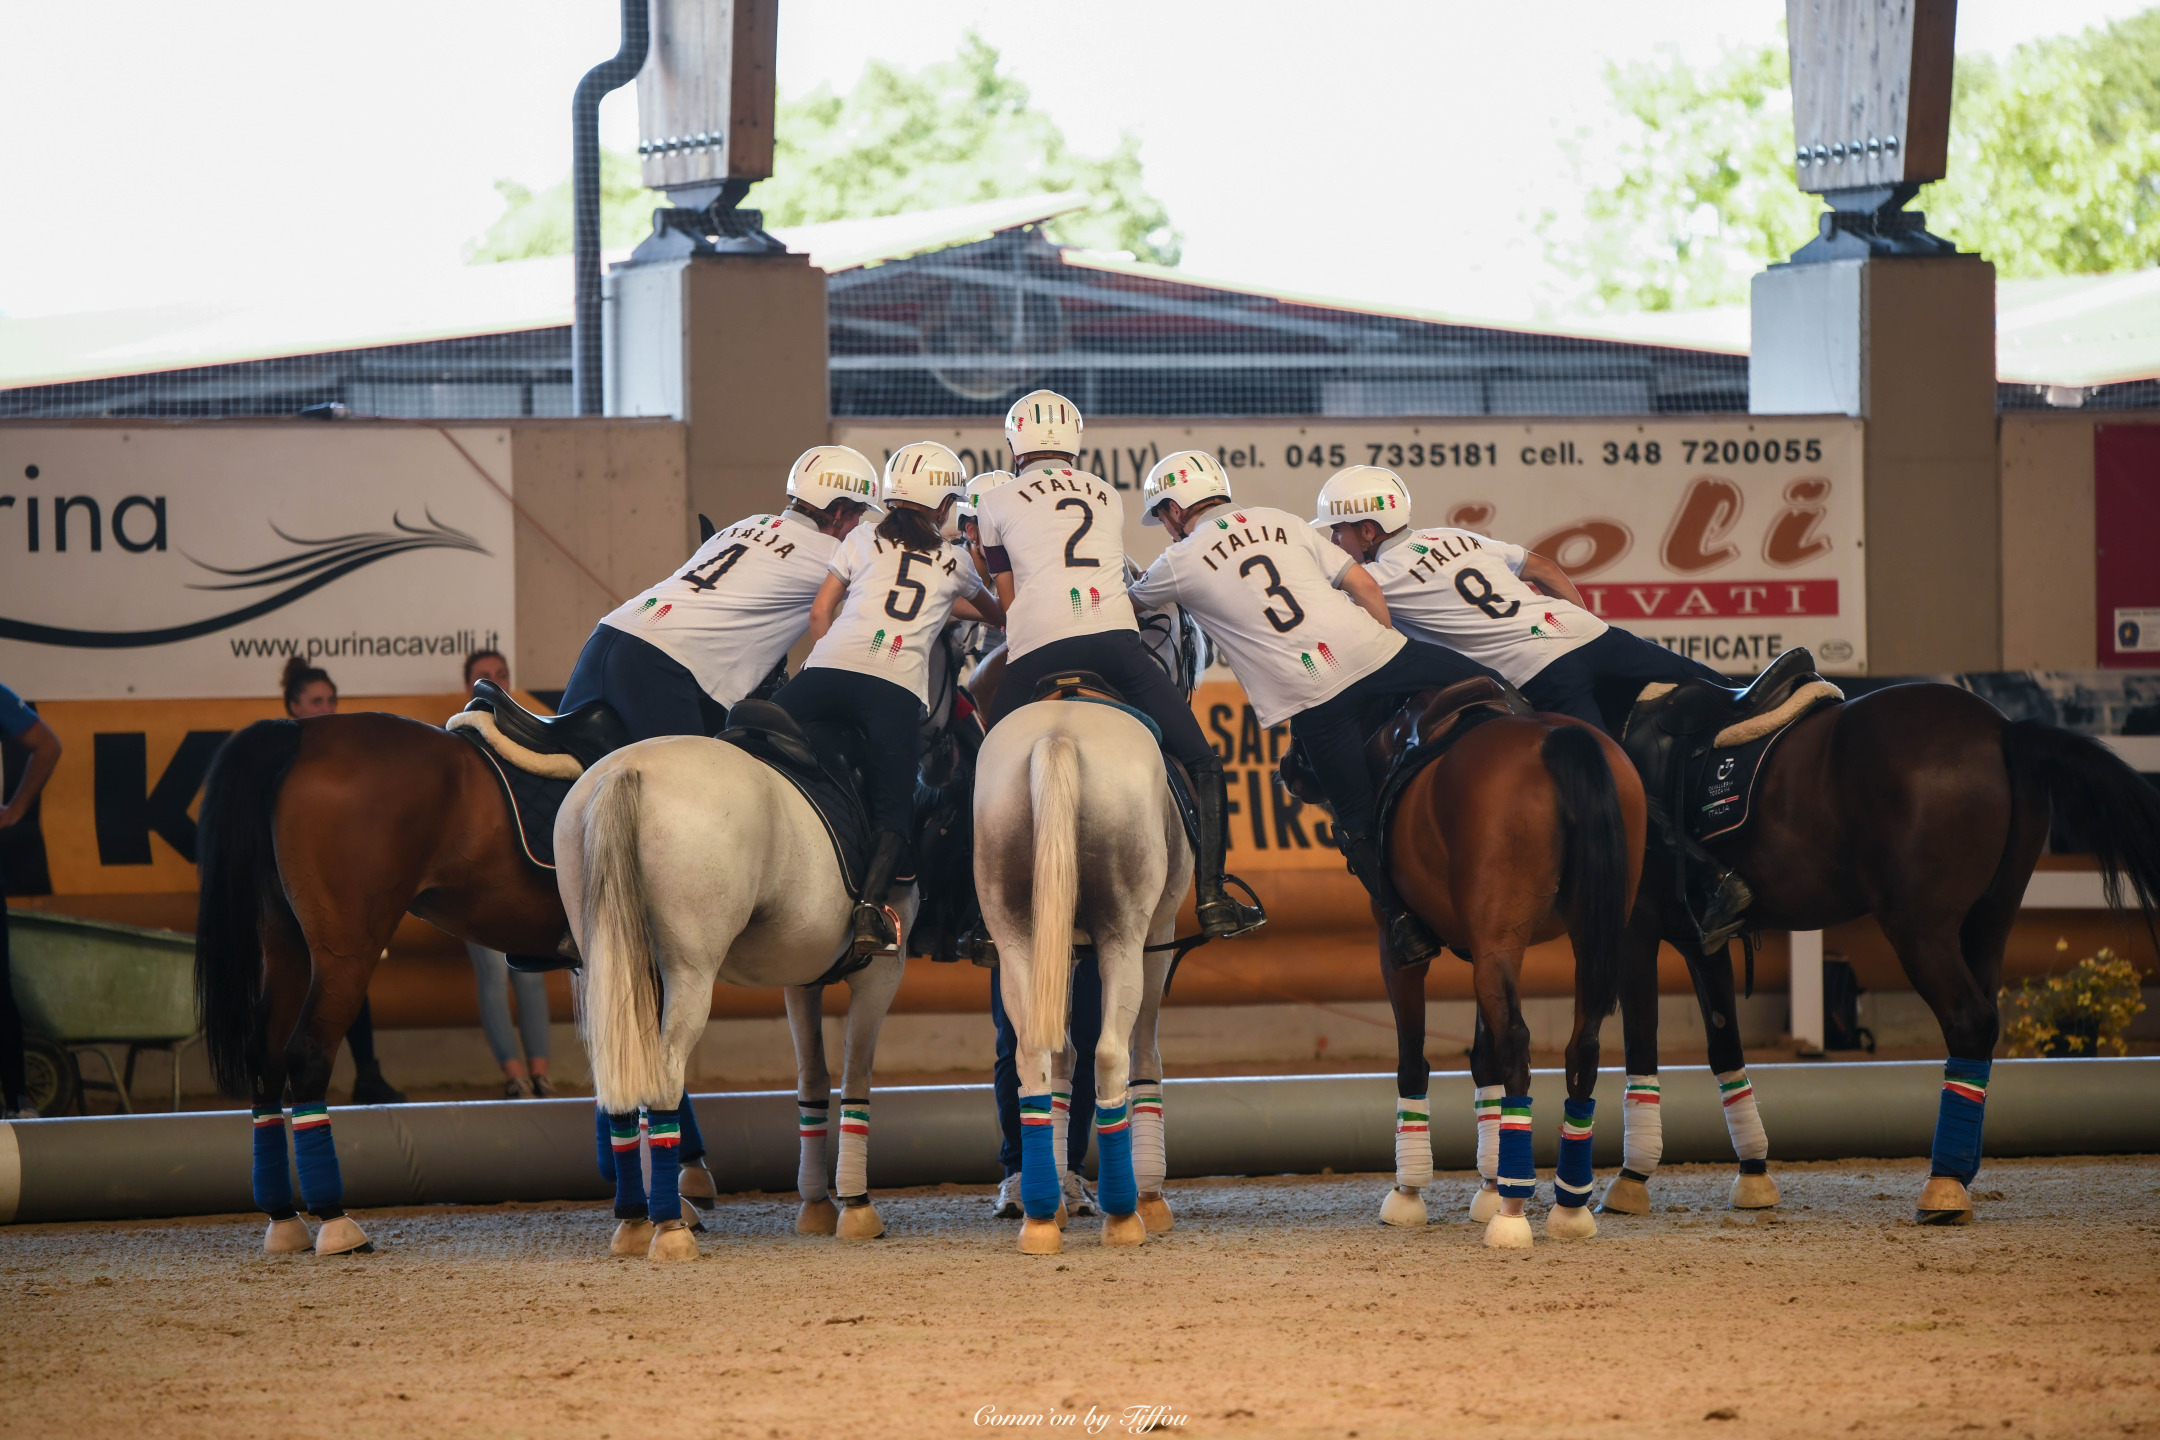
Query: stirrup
[1727, 912]
[1223, 916]
[976, 946]
[1410, 940]
[877, 930]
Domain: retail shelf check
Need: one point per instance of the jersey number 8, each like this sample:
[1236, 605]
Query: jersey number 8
[1484, 596]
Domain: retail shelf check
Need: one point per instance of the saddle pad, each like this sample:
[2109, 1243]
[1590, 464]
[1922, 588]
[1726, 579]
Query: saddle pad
[1721, 785]
[533, 800]
[847, 823]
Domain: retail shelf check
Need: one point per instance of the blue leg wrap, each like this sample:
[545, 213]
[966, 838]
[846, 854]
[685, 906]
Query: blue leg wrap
[1518, 1173]
[693, 1144]
[273, 1174]
[665, 1145]
[1039, 1193]
[320, 1183]
[1957, 1124]
[1571, 1182]
[629, 1179]
[1115, 1188]
[603, 1142]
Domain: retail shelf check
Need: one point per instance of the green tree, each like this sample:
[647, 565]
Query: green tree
[2054, 169]
[959, 131]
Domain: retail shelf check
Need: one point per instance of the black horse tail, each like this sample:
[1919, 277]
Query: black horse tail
[2103, 805]
[239, 878]
[1594, 874]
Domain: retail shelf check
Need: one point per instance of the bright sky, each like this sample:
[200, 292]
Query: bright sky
[1399, 150]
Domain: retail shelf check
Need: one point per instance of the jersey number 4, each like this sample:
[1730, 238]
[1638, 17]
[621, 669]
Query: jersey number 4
[1283, 623]
[705, 576]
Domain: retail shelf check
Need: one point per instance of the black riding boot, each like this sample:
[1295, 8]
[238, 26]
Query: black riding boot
[1222, 916]
[1410, 939]
[876, 928]
[1719, 900]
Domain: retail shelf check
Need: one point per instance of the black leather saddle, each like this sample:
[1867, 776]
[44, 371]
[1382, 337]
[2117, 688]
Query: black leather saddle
[824, 762]
[1698, 707]
[585, 734]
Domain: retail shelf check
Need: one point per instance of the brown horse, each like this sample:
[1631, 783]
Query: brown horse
[1922, 806]
[317, 837]
[1526, 828]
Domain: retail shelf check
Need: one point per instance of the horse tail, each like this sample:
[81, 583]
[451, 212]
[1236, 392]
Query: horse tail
[236, 852]
[1594, 869]
[1054, 789]
[2103, 804]
[619, 1016]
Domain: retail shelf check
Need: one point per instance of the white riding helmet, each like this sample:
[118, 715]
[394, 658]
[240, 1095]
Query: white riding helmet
[833, 472]
[924, 473]
[1363, 492]
[1186, 476]
[1043, 420]
[978, 487]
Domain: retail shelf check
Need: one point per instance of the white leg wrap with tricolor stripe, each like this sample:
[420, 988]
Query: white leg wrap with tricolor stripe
[1150, 1160]
[1742, 1120]
[1487, 1103]
[1642, 1117]
[1413, 1142]
[812, 1123]
[1060, 1128]
[851, 1176]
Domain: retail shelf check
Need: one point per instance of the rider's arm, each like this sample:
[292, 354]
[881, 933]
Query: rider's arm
[1004, 581]
[982, 607]
[826, 607]
[1359, 585]
[1550, 578]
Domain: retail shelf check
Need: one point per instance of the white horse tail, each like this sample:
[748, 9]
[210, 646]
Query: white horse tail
[620, 1016]
[1054, 788]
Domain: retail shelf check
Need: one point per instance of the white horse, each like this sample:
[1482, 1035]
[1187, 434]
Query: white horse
[1076, 832]
[684, 861]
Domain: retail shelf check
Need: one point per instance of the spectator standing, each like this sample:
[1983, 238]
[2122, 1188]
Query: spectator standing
[18, 722]
[524, 1077]
[310, 692]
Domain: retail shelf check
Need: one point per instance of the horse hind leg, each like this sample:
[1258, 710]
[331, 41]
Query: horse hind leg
[1485, 1074]
[1970, 1024]
[277, 1012]
[687, 1006]
[1496, 965]
[813, 1106]
[1752, 1187]
[1404, 1204]
[1642, 1120]
[870, 995]
[1150, 1156]
[1570, 1217]
[1123, 976]
[333, 1001]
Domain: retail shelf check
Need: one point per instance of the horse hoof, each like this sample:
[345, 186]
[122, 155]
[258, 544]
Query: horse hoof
[1155, 1211]
[817, 1217]
[695, 1184]
[287, 1237]
[632, 1237]
[1625, 1196]
[860, 1222]
[342, 1237]
[1484, 1205]
[1756, 1192]
[1568, 1222]
[1041, 1237]
[1945, 1201]
[1403, 1207]
[672, 1241]
[1124, 1230]
[1508, 1232]
[1063, 1219]
[690, 1215]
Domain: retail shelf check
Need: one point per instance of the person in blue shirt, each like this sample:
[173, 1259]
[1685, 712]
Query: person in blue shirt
[20, 724]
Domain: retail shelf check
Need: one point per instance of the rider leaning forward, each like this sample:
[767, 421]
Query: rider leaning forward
[675, 659]
[1306, 632]
[887, 595]
[1505, 607]
[1054, 539]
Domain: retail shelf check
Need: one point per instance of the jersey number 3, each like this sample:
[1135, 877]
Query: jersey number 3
[1283, 623]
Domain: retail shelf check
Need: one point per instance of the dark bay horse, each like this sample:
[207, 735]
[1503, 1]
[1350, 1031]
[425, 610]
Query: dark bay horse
[1527, 828]
[1922, 806]
[317, 836]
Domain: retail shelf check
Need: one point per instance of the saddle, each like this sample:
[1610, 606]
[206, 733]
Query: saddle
[1406, 735]
[541, 744]
[1090, 688]
[822, 761]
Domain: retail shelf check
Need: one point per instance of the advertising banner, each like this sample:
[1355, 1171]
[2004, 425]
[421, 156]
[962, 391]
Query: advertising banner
[1728, 538]
[155, 562]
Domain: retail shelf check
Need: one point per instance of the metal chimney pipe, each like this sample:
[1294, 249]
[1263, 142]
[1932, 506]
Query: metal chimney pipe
[586, 357]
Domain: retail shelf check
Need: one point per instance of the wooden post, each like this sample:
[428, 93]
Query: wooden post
[1871, 91]
[705, 97]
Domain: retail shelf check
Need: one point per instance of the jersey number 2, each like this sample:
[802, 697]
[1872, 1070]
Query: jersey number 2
[1484, 597]
[1087, 523]
[716, 567]
[1283, 623]
[902, 582]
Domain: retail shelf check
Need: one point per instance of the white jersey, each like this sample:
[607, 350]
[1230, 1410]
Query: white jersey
[898, 600]
[1061, 532]
[732, 613]
[1459, 589]
[1264, 587]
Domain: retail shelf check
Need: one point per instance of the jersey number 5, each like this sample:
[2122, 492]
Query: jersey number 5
[1484, 596]
[1087, 523]
[1283, 623]
[902, 582]
[716, 567]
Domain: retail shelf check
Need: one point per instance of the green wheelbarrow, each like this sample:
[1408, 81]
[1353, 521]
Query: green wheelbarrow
[84, 984]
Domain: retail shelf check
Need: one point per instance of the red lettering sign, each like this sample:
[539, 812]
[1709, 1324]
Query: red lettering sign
[1719, 600]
